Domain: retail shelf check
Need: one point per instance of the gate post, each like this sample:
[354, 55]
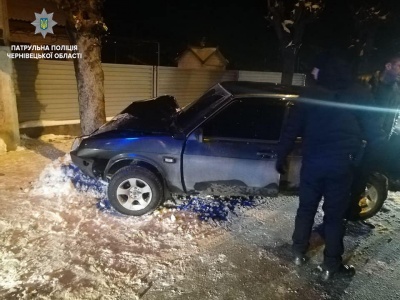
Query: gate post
[9, 127]
[155, 81]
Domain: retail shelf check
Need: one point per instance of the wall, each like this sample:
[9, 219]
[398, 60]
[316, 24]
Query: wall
[9, 132]
[214, 63]
[189, 61]
[46, 90]
[188, 85]
[274, 77]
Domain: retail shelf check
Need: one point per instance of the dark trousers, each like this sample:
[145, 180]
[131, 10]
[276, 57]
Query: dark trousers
[332, 181]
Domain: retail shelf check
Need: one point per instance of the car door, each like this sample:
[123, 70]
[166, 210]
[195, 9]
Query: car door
[234, 152]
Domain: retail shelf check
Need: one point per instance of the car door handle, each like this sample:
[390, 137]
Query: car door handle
[271, 154]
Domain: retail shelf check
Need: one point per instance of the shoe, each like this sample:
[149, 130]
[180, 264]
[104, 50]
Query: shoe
[344, 271]
[300, 259]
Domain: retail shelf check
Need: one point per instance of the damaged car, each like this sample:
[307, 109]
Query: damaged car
[224, 143]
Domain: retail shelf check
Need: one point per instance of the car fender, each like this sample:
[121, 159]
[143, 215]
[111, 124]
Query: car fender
[132, 158]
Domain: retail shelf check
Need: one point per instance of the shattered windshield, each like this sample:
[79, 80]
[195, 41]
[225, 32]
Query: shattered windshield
[199, 108]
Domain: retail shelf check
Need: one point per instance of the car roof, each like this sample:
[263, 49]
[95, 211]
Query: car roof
[260, 89]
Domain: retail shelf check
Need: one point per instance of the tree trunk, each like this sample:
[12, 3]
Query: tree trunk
[288, 65]
[90, 78]
[85, 27]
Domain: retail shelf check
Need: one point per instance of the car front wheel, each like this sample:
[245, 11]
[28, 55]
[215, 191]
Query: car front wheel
[375, 195]
[135, 191]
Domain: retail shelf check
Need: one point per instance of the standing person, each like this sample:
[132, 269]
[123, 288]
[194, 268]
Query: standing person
[386, 92]
[332, 136]
[387, 95]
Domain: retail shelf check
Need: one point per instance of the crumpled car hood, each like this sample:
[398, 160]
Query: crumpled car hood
[153, 115]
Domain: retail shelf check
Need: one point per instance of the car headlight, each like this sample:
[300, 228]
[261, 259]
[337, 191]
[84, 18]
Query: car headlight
[77, 142]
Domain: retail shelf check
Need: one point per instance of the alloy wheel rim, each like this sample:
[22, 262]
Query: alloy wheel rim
[134, 194]
[368, 202]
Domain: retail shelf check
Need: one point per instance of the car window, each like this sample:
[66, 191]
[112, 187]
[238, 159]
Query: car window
[248, 118]
[196, 109]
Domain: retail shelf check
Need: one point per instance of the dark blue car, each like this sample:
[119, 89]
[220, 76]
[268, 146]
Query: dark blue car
[222, 144]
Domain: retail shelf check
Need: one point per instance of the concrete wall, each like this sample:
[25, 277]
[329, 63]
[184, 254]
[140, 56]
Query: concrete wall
[4, 28]
[9, 129]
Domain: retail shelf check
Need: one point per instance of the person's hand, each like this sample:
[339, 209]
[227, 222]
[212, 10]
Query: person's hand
[281, 166]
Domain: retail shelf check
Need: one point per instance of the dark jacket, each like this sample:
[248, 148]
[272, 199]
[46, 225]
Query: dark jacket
[332, 124]
[386, 160]
[387, 96]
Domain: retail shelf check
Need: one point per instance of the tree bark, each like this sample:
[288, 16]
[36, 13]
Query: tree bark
[90, 80]
[85, 27]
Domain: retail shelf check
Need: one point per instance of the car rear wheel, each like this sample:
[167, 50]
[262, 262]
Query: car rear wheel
[135, 191]
[374, 197]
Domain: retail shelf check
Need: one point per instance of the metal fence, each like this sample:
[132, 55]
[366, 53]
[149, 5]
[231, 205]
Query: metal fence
[46, 90]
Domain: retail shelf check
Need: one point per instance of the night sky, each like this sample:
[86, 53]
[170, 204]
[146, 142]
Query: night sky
[238, 28]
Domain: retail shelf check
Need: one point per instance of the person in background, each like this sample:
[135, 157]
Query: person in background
[386, 92]
[387, 95]
[332, 137]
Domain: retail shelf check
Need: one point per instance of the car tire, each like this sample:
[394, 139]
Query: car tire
[376, 194]
[135, 191]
